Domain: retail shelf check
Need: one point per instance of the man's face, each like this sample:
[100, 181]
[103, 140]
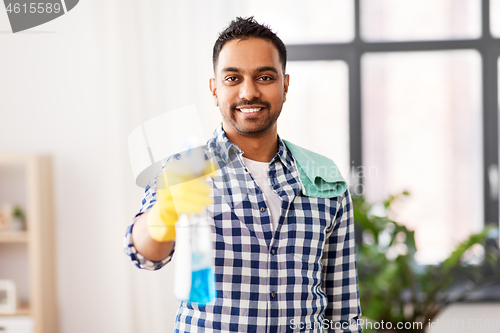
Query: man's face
[250, 86]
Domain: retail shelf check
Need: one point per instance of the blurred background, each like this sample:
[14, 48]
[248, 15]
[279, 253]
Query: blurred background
[402, 95]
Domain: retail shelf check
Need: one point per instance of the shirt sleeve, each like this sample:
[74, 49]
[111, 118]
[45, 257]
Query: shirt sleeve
[129, 248]
[340, 278]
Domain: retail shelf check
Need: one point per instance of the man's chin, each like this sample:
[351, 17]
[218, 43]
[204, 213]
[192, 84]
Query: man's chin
[247, 127]
[253, 131]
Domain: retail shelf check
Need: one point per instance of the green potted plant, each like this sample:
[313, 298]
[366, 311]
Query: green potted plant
[18, 222]
[393, 287]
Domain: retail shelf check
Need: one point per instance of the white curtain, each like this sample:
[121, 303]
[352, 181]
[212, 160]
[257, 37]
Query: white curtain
[75, 88]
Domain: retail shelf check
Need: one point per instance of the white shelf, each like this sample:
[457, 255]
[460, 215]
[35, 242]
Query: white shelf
[27, 180]
[23, 310]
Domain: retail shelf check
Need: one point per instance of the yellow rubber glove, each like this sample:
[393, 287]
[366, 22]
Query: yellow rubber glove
[186, 194]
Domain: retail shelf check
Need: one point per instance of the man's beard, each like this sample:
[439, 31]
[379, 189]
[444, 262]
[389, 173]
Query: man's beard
[269, 122]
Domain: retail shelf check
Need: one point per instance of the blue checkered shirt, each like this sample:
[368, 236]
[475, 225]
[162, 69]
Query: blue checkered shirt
[300, 277]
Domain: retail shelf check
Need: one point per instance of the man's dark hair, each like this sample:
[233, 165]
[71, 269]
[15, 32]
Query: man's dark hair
[244, 28]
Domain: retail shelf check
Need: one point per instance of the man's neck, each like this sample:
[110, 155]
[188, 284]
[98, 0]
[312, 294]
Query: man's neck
[261, 147]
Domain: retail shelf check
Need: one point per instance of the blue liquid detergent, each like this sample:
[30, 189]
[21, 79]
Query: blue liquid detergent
[203, 286]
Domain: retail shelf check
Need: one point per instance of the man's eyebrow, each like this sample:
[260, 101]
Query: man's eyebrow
[230, 69]
[258, 70]
[267, 68]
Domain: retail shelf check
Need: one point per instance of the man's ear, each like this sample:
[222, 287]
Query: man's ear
[286, 81]
[213, 89]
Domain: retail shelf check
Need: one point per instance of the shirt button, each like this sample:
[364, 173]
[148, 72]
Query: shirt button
[273, 251]
[262, 209]
[273, 294]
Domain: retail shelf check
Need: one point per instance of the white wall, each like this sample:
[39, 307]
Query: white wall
[74, 88]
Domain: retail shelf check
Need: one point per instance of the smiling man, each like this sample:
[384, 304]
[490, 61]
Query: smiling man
[283, 234]
[250, 88]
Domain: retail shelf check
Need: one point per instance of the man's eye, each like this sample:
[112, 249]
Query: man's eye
[266, 78]
[231, 78]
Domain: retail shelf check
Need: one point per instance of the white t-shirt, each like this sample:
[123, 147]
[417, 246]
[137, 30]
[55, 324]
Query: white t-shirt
[260, 172]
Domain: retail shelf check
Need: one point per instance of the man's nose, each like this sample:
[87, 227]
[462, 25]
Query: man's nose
[249, 90]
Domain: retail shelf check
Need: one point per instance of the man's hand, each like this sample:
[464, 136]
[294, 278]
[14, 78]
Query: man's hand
[178, 194]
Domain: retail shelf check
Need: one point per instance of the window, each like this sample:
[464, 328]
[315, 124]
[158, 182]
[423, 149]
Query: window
[334, 23]
[422, 133]
[495, 17]
[423, 110]
[316, 112]
[396, 20]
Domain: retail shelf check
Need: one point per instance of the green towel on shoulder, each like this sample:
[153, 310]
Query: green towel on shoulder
[319, 175]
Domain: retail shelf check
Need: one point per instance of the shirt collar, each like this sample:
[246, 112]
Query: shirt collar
[226, 148]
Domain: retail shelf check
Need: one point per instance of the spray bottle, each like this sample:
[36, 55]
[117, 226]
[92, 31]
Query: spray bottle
[194, 269]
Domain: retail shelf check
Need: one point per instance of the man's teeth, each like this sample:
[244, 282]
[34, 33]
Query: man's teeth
[250, 110]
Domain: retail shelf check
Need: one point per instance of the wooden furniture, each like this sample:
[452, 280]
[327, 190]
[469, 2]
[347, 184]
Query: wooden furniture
[28, 257]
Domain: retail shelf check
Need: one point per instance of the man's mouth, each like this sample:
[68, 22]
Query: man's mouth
[249, 110]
